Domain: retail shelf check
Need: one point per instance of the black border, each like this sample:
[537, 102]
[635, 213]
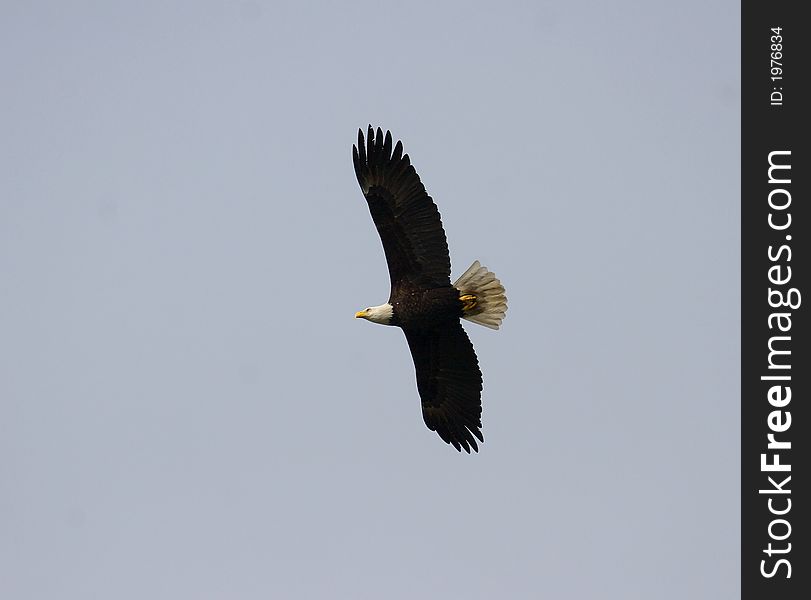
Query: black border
[766, 128]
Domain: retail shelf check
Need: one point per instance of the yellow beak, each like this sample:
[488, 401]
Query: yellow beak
[360, 314]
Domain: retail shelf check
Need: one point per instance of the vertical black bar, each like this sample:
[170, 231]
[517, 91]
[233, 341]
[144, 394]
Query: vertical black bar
[775, 105]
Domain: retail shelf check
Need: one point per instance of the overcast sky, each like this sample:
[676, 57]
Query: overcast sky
[188, 408]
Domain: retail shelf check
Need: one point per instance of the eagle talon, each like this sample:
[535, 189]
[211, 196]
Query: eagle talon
[469, 302]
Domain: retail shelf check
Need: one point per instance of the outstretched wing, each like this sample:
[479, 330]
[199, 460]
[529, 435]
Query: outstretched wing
[405, 216]
[449, 382]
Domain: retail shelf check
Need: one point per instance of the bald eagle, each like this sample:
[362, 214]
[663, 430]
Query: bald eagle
[422, 302]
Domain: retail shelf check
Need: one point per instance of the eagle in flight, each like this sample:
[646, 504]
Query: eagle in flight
[423, 302]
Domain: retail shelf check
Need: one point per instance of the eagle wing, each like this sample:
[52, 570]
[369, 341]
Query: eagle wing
[449, 382]
[405, 216]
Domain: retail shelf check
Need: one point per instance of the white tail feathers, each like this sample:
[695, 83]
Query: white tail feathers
[491, 302]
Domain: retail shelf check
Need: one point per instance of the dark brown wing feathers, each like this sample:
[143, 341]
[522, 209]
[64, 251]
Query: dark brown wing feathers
[449, 382]
[405, 215]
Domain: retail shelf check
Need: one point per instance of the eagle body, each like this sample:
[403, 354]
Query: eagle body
[423, 302]
[417, 308]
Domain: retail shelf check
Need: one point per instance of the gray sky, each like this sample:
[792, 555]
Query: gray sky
[188, 408]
